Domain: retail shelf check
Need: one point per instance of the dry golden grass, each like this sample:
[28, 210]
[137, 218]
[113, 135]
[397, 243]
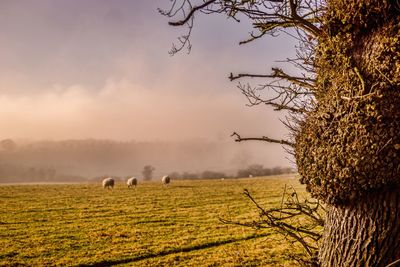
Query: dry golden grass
[151, 225]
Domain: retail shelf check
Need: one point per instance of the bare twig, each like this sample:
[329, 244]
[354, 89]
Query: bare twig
[300, 222]
[191, 13]
[278, 73]
[238, 138]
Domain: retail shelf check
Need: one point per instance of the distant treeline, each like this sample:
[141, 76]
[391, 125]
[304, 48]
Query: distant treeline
[20, 174]
[259, 170]
[83, 160]
[254, 170]
[16, 174]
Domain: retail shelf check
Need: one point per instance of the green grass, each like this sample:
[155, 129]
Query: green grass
[151, 225]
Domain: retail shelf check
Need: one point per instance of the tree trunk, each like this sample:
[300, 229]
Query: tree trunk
[366, 233]
[348, 148]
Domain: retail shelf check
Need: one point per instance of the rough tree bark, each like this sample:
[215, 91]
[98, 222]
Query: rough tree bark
[364, 234]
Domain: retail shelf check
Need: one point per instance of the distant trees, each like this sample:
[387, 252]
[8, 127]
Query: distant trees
[190, 175]
[212, 175]
[92, 157]
[254, 170]
[198, 175]
[8, 145]
[259, 170]
[175, 175]
[148, 172]
[81, 160]
[19, 173]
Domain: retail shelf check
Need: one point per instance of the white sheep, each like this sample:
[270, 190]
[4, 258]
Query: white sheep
[108, 183]
[166, 179]
[131, 182]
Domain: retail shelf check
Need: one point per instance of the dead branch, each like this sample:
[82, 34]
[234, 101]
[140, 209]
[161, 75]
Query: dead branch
[292, 93]
[299, 222]
[290, 97]
[238, 138]
[191, 13]
[278, 73]
[266, 18]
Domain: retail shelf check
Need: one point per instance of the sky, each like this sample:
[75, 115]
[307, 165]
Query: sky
[72, 69]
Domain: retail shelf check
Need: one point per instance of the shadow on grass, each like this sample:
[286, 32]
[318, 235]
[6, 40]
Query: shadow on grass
[112, 262]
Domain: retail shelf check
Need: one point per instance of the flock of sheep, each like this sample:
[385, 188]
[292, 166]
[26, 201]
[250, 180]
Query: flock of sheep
[132, 182]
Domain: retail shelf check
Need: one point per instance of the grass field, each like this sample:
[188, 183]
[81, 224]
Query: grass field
[151, 225]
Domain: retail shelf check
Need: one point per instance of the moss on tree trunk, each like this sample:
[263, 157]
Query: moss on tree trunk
[347, 150]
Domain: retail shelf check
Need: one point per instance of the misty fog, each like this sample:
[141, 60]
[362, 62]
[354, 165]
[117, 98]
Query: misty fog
[94, 158]
[80, 79]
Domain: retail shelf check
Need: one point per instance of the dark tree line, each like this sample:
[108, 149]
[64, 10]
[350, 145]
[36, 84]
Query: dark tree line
[255, 170]
[14, 173]
[259, 170]
[199, 175]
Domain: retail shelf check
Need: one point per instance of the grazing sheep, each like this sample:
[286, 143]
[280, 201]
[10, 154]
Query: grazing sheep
[108, 183]
[166, 179]
[131, 182]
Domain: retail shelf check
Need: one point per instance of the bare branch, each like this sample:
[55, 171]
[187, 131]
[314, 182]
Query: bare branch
[286, 97]
[301, 21]
[238, 138]
[298, 221]
[278, 73]
[279, 14]
[191, 13]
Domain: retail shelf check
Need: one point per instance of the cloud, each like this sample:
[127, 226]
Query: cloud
[115, 80]
[124, 110]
